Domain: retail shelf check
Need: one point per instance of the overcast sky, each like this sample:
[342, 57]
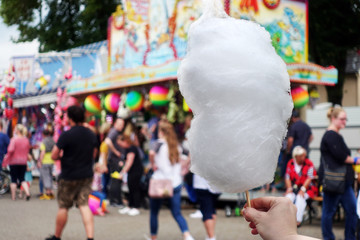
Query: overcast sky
[9, 49]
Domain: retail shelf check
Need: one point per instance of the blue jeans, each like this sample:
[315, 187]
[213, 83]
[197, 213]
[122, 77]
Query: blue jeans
[155, 205]
[330, 203]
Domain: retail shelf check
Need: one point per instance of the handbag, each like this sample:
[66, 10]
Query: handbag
[334, 179]
[160, 188]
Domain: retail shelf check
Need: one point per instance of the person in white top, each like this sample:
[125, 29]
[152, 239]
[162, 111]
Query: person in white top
[207, 198]
[165, 161]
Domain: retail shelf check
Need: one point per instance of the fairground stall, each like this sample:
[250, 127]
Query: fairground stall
[147, 40]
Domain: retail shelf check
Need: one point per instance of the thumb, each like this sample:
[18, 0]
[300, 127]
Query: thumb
[253, 215]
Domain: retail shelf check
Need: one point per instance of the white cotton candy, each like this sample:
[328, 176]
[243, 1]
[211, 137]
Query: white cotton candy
[239, 91]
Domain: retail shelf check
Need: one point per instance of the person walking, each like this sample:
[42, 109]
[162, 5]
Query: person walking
[17, 157]
[4, 143]
[335, 153]
[76, 149]
[165, 161]
[103, 156]
[207, 199]
[134, 169]
[46, 165]
[299, 135]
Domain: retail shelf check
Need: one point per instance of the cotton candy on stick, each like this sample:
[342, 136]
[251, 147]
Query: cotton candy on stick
[239, 91]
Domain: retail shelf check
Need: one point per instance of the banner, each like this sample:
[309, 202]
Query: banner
[310, 73]
[23, 67]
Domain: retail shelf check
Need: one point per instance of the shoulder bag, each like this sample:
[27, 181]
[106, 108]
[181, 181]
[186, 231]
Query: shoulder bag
[334, 179]
[160, 188]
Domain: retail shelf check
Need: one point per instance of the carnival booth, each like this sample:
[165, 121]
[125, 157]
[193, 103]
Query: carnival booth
[33, 89]
[134, 72]
[147, 41]
[146, 46]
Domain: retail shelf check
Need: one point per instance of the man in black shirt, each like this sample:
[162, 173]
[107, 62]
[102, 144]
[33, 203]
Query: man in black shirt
[76, 149]
[299, 135]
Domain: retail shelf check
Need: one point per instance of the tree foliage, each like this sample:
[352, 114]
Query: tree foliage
[333, 31]
[58, 25]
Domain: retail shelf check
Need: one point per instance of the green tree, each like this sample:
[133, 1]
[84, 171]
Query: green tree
[58, 25]
[333, 31]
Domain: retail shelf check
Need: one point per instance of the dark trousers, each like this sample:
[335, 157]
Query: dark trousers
[330, 204]
[105, 183]
[115, 192]
[134, 190]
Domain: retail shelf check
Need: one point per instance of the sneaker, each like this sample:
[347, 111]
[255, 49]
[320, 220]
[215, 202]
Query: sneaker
[52, 238]
[134, 212]
[116, 205]
[196, 214]
[146, 237]
[124, 210]
[51, 196]
[44, 197]
[189, 238]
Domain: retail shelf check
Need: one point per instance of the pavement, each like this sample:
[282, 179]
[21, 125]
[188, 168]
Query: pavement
[35, 220]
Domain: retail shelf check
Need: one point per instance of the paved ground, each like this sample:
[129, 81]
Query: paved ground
[34, 220]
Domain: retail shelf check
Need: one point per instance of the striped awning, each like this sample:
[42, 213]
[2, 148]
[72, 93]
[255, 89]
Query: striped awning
[82, 60]
[26, 100]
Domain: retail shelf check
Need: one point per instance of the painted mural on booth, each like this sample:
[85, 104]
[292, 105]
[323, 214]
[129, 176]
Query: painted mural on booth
[285, 20]
[150, 33]
[148, 38]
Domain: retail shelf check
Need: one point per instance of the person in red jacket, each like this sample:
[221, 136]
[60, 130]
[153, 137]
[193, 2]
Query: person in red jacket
[300, 172]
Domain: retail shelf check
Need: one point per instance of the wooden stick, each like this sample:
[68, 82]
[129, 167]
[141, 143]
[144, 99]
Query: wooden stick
[248, 198]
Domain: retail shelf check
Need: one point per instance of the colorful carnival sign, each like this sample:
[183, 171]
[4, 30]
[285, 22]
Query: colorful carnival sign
[312, 74]
[285, 20]
[147, 39]
[150, 33]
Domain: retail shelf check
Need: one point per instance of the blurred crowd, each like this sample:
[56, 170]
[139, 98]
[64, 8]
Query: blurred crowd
[115, 164]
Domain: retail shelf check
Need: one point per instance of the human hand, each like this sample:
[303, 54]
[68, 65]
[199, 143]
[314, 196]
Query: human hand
[289, 190]
[272, 218]
[39, 164]
[301, 193]
[117, 153]
[4, 165]
[154, 167]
